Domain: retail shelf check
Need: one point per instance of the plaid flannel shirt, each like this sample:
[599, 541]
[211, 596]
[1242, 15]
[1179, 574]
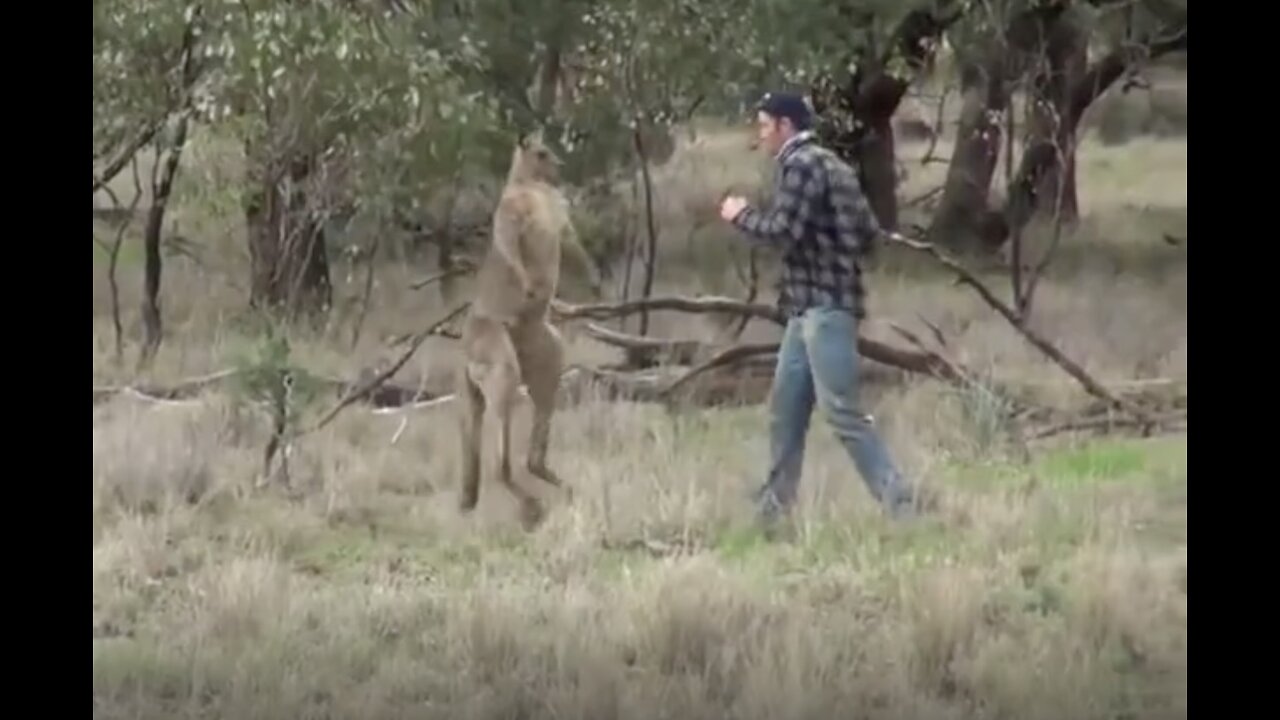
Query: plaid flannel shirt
[822, 223]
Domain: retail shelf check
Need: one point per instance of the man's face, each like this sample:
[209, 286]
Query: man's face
[772, 132]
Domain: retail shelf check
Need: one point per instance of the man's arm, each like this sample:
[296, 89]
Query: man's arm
[790, 209]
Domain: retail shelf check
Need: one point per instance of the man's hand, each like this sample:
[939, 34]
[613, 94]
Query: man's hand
[731, 207]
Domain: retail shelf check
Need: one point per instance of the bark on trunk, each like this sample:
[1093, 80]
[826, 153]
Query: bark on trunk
[856, 113]
[549, 81]
[1045, 183]
[651, 246]
[161, 189]
[963, 221]
[1079, 87]
[856, 122]
[876, 161]
[287, 254]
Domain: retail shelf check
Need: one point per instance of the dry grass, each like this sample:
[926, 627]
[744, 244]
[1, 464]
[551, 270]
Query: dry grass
[1048, 588]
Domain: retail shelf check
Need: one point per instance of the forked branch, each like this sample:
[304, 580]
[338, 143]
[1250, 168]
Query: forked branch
[363, 389]
[1072, 368]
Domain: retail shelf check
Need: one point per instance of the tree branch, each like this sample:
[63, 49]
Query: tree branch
[441, 276]
[705, 304]
[641, 350]
[1103, 73]
[1092, 386]
[373, 383]
[725, 357]
[145, 133]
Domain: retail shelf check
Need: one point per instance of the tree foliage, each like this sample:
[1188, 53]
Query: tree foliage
[368, 106]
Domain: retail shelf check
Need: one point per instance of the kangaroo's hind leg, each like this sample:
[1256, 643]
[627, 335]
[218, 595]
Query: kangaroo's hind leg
[541, 353]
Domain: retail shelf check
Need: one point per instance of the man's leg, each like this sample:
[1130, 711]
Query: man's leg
[790, 407]
[831, 337]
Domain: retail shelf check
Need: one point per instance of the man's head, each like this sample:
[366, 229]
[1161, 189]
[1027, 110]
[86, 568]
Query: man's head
[779, 117]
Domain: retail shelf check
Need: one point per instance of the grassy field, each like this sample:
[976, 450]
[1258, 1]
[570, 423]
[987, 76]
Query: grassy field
[1049, 586]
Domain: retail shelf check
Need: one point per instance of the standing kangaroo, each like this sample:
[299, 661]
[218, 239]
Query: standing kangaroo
[507, 338]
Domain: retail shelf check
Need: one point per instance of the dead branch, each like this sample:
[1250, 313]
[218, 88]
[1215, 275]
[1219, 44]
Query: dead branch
[752, 280]
[113, 260]
[939, 126]
[1092, 386]
[377, 380]
[160, 192]
[642, 386]
[947, 368]
[924, 361]
[1168, 422]
[1038, 272]
[183, 389]
[705, 304]
[464, 267]
[161, 188]
[724, 358]
[642, 350]
[651, 232]
[367, 292]
[923, 197]
[127, 152]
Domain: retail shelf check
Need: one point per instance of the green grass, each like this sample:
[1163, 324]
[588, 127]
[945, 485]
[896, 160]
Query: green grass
[1054, 587]
[270, 605]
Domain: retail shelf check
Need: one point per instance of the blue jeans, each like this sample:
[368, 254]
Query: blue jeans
[818, 362]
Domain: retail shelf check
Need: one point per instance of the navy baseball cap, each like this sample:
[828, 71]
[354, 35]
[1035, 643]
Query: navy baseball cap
[787, 105]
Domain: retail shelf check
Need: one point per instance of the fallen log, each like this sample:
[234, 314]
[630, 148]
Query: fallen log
[705, 304]
[922, 361]
[1175, 421]
[182, 390]
[386, 395]
[642, 352]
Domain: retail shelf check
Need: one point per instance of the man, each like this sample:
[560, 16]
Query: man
[822, 223]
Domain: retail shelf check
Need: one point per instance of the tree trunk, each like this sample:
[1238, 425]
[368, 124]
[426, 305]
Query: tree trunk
[963, 221]
[876, 161]
[288, 259]
[1046, 179]
[161, 189]
[549, 81]
[651, 248]
[855, 120]
[856, 113]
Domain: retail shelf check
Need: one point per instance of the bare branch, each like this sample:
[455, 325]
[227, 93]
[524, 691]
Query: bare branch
[373, 383]
[113, 263]
[725, 357]
[1093, 387]
[640, 350]
[464, 268]
[939, 125]
[367, 292]
[753, 289]
[145, 133]
[651, 231]
[1168, 421]
[705, 304]
[184, 388]
[923, 197]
